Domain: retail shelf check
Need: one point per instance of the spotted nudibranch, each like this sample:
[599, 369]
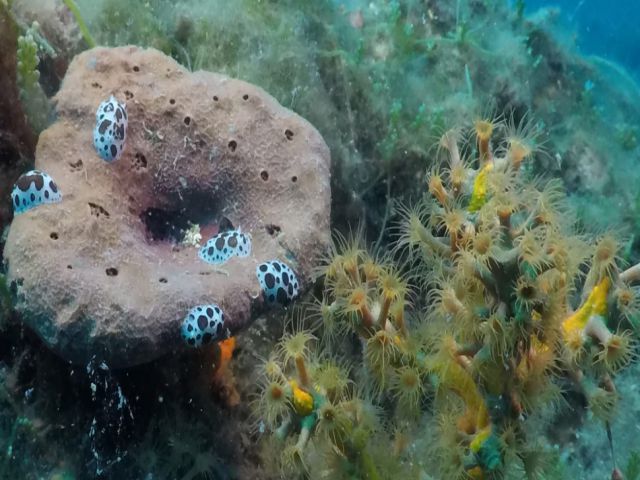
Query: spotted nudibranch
[223, 246]
[230, 242]
[110, 132]
[32, 189]
[277, 281]
[204, 324]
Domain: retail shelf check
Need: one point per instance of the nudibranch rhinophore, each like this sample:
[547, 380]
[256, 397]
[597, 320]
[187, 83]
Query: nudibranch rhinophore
[277, 281]
[32, 189]
[110, 132]
[224, 245]
[204, 324]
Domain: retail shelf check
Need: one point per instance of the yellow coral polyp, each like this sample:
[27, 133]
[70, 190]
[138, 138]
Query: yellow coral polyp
[302, 400]
[479, 194]
[479, 439]
[436, 188]
[596, 304]
[455, 378]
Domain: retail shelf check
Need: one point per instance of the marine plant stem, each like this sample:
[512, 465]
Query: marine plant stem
[631, 274]
[485, 151]
[432, 242]
[301, 368]
[84, 30]
[384, 312]
[400, 324]
[369, 467]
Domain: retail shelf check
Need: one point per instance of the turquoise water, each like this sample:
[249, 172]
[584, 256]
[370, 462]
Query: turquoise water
[608, 29]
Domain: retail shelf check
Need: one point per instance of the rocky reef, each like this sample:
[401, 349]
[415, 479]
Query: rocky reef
[104, 273]
[474, 327]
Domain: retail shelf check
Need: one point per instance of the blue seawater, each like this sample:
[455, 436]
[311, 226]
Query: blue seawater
[608, 28]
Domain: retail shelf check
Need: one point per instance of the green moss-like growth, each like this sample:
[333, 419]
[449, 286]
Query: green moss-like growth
[84, 30]
[35, 102]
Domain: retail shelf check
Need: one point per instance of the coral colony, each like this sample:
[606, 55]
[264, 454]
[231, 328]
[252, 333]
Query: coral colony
[503, 323]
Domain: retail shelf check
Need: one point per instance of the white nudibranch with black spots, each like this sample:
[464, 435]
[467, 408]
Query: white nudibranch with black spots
[32, 189]
[110, 132]
[204, 324]
[277, 281]
[228, 243]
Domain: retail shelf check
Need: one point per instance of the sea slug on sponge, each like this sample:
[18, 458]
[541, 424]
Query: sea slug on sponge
[277, 281]
[110, 132]
[224, 245]
[204, 324]
[32, 189]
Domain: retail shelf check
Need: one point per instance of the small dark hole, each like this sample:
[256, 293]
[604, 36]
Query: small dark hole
[215, 98]
[272, 229]
[69, 267]
[111, 272]
[163, 280]
[245, 97]
[294, 179]
[96, 85]
[53, 235]
[264, 175]
[76, 165]
[97, 210]
[136, 68]
[128, 94]
[289, 134]
[140, 160]
[187, 120]
[172, 101]
[233, 145]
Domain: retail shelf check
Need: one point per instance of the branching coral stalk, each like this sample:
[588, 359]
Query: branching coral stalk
[505, 338]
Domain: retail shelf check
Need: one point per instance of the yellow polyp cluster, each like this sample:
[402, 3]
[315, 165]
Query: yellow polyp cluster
[479, 195]
[503, 283]
[314, 401]
[502, 319]
[302, 401]
[367, 295]
[596, 304]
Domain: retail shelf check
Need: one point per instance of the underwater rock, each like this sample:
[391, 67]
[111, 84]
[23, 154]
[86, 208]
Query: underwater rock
[101, 273]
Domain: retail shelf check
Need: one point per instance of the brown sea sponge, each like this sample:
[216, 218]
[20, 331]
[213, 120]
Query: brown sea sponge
[103, 273]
